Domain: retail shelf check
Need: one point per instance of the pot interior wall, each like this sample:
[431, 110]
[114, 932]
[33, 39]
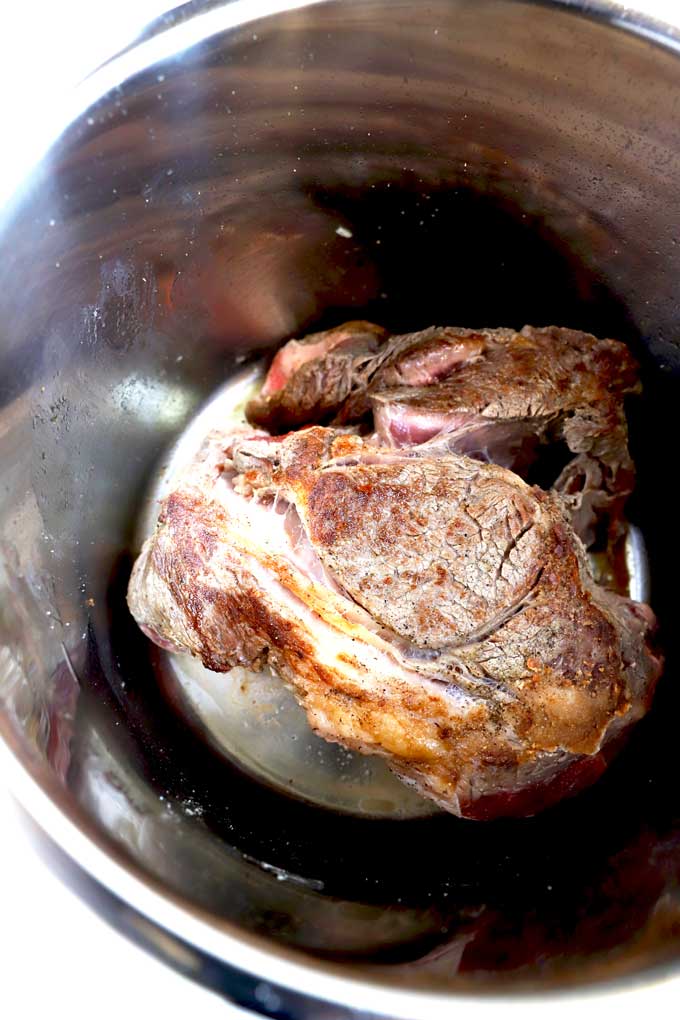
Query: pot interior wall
[488, 163]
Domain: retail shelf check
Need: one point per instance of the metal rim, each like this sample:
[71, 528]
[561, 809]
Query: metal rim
[45, 800]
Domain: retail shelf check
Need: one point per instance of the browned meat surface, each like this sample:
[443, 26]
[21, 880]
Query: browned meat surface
[516, 393]
[496, 395]
[423, 606]
[310, 379]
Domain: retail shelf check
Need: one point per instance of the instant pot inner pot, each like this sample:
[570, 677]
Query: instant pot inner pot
[477, 164]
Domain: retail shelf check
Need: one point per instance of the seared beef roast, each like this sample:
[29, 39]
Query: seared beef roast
[310, 379]
[495, 395]
[422, 605]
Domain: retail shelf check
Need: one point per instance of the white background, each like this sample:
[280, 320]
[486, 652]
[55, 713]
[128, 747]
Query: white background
[57, 959]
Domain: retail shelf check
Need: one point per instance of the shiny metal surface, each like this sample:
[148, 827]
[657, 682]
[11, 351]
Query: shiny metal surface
[493, 162]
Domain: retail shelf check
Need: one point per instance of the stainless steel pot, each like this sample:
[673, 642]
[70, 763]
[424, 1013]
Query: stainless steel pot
[244, 172]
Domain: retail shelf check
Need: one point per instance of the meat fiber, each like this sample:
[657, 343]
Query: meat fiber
[310, 379]
[552, 396]
[423, 606]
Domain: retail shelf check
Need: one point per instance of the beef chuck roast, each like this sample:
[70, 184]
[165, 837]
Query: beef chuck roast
[309, 379]
[496, 395]
[423, 606]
